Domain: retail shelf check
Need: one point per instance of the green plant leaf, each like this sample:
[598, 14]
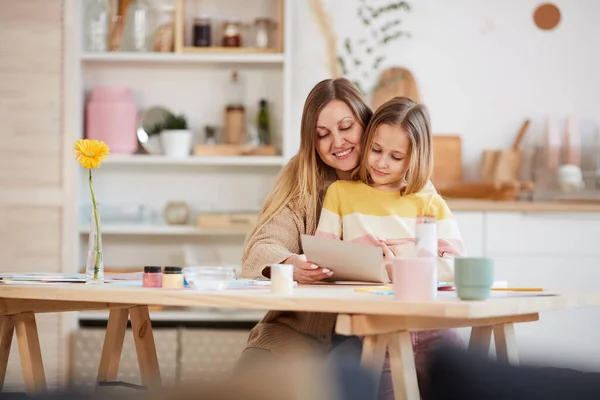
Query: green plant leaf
[348, 46]
[390, 25]
[389, 38]
[342, 65]
[175, 122]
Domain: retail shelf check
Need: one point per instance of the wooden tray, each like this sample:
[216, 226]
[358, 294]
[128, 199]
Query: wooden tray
[233, 150]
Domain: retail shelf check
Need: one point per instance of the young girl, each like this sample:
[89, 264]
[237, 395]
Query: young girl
[390, 188]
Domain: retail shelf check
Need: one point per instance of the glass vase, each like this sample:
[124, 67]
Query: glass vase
[94, 267]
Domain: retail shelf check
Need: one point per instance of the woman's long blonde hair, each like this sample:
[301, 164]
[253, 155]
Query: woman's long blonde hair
[413, 118]
[301, 180]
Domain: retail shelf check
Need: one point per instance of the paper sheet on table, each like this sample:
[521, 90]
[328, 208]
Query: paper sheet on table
[349, 261]
[40, 277]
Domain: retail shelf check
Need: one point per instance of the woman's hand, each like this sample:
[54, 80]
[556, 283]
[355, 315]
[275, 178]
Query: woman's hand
[306, 272]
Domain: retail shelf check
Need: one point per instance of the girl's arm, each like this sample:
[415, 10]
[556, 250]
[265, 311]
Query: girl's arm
[330, 222]
[450, 243]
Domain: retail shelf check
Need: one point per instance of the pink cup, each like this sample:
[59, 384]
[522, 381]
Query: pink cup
[415, 278]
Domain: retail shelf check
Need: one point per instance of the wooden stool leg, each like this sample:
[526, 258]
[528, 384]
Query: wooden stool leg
[506, 343]
[402, 362]
[373, 356]
[481, 337]
[7, 330]
[113, 345]
[30, 352]
[145, 347]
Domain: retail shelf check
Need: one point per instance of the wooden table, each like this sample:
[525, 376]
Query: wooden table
[383, 321]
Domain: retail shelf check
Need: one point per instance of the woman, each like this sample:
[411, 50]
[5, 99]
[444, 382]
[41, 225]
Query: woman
[333, 121]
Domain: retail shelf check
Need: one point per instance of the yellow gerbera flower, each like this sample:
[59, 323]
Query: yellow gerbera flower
[90, 153]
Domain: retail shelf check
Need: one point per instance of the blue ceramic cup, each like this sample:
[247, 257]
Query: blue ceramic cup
[473, 277]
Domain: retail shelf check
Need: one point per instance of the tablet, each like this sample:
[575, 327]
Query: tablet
[349, 261]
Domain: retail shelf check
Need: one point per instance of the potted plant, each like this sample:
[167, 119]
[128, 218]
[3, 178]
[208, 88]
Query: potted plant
[175, 137]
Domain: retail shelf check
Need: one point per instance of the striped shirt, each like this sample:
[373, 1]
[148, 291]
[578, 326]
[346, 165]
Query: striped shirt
[357, 212]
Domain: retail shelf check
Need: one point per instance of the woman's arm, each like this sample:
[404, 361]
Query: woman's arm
[278, 242]
[273, 243]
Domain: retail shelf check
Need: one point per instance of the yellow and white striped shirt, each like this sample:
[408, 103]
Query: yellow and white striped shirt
[357, 212]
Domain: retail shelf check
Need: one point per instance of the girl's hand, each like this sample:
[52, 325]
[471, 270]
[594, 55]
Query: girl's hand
[388, 255]
[306, 272]
[387, 252]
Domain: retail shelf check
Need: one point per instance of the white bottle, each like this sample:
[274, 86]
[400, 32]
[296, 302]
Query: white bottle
[426, 242]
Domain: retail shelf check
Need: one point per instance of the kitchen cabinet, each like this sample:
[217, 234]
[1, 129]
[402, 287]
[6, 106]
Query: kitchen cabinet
[542, 233]
[559, 252]
[470, 224]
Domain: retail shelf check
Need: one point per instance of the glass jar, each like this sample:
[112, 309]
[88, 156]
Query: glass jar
[202, 31]
[164, 32]
[232, 33]
[97, 25]
[137, 27]
[263, 33]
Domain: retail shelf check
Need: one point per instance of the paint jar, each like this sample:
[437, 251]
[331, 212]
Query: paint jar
[172, 278]
[152, 277]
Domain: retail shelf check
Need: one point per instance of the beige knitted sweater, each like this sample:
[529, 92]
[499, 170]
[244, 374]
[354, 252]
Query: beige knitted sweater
[285, 333]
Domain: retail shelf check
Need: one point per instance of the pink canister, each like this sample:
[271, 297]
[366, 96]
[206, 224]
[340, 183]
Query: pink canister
[111, 116]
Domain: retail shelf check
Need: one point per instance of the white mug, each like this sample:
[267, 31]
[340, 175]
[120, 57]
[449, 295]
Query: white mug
[282, 278]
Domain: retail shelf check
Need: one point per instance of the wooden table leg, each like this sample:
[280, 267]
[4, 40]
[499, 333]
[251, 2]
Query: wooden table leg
[402, 363]
[30, 352]
[373, 356]
[145, 347]
[113, 345]
[7, 330]
[506, 343]
[481, 336]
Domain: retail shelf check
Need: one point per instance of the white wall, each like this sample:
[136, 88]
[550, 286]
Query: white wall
[482, 67]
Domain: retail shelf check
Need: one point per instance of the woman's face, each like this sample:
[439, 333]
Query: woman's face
[337, 137]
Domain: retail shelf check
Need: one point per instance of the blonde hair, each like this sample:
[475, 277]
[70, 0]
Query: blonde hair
[301, 180]
[413, 118]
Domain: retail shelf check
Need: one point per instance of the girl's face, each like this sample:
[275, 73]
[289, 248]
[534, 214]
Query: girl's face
[337, 139]
[389, 158]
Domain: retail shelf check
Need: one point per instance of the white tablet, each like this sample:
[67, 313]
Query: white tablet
[349, 261]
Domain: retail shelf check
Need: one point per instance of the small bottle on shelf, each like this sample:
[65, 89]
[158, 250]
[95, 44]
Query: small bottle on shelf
[263, 123]
[235, 112]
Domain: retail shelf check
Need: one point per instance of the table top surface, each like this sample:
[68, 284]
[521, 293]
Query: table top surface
[315, 298]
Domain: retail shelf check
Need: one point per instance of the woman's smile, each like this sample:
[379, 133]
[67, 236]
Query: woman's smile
[342, 155]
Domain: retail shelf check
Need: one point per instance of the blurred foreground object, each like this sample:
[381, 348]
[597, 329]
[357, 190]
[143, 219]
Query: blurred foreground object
[457, 374]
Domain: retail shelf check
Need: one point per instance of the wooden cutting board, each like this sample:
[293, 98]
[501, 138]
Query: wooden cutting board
[447, 160]
[504, 165]
[394, 82]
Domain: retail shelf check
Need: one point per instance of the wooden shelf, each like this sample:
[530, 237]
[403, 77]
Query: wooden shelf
[164, 230]
[198, 57]
[227, 50]
[148, 160]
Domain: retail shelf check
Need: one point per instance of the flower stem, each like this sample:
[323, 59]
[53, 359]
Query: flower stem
[95, 209]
